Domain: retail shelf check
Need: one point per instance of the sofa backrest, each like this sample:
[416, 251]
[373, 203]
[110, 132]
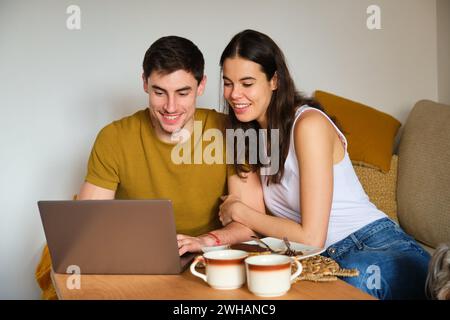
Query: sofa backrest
[423, 185]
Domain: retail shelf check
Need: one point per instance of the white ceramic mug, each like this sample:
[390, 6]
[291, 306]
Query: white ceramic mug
[225, 269]
[270, 275]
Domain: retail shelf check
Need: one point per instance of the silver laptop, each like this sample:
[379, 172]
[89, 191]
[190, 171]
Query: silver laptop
[112, 236]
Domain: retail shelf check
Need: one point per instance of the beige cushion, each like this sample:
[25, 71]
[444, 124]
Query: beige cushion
[379, 186]
[423, 187]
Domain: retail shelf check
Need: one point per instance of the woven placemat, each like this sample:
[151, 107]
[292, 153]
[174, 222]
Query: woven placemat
[322, 269]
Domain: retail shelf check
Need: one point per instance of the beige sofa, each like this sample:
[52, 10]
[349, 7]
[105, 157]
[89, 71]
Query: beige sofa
[416, 189]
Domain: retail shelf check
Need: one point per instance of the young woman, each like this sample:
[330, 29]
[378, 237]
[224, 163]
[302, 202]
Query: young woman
[315, 198]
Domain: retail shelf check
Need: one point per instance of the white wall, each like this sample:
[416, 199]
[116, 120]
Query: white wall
[59, 87]
[443, 50]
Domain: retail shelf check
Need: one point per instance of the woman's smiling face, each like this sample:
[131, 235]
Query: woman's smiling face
[247, 90]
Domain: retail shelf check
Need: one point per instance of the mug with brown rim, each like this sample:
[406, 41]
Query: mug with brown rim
[270, 275]
[225, 269]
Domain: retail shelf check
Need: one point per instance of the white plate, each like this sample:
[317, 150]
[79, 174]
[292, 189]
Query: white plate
[278, 245]
[215, 248]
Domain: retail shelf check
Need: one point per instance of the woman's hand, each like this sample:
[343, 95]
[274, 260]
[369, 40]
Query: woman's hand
[229, 208]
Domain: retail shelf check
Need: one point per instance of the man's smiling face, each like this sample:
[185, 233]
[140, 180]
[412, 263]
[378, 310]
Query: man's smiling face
[172, 101]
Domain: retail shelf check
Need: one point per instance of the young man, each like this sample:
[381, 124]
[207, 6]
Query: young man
[132, 157]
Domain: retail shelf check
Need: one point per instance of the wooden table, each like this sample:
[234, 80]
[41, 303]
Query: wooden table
[188, 287]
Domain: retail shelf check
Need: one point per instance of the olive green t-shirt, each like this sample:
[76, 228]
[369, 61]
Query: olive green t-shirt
[129, 158]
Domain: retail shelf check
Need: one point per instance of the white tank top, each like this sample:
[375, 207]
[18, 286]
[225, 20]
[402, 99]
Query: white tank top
[351, 208]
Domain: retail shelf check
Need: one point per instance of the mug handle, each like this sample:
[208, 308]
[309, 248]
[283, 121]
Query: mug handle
[194, 272]
[299, 269]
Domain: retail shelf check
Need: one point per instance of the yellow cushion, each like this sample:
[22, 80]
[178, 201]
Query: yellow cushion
[380, 187]
[370, 133]
[43, 277]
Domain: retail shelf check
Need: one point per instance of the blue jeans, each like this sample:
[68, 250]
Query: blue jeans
[391, 264]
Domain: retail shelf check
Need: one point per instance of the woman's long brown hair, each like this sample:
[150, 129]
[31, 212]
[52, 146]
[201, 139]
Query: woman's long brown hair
[261, 49]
